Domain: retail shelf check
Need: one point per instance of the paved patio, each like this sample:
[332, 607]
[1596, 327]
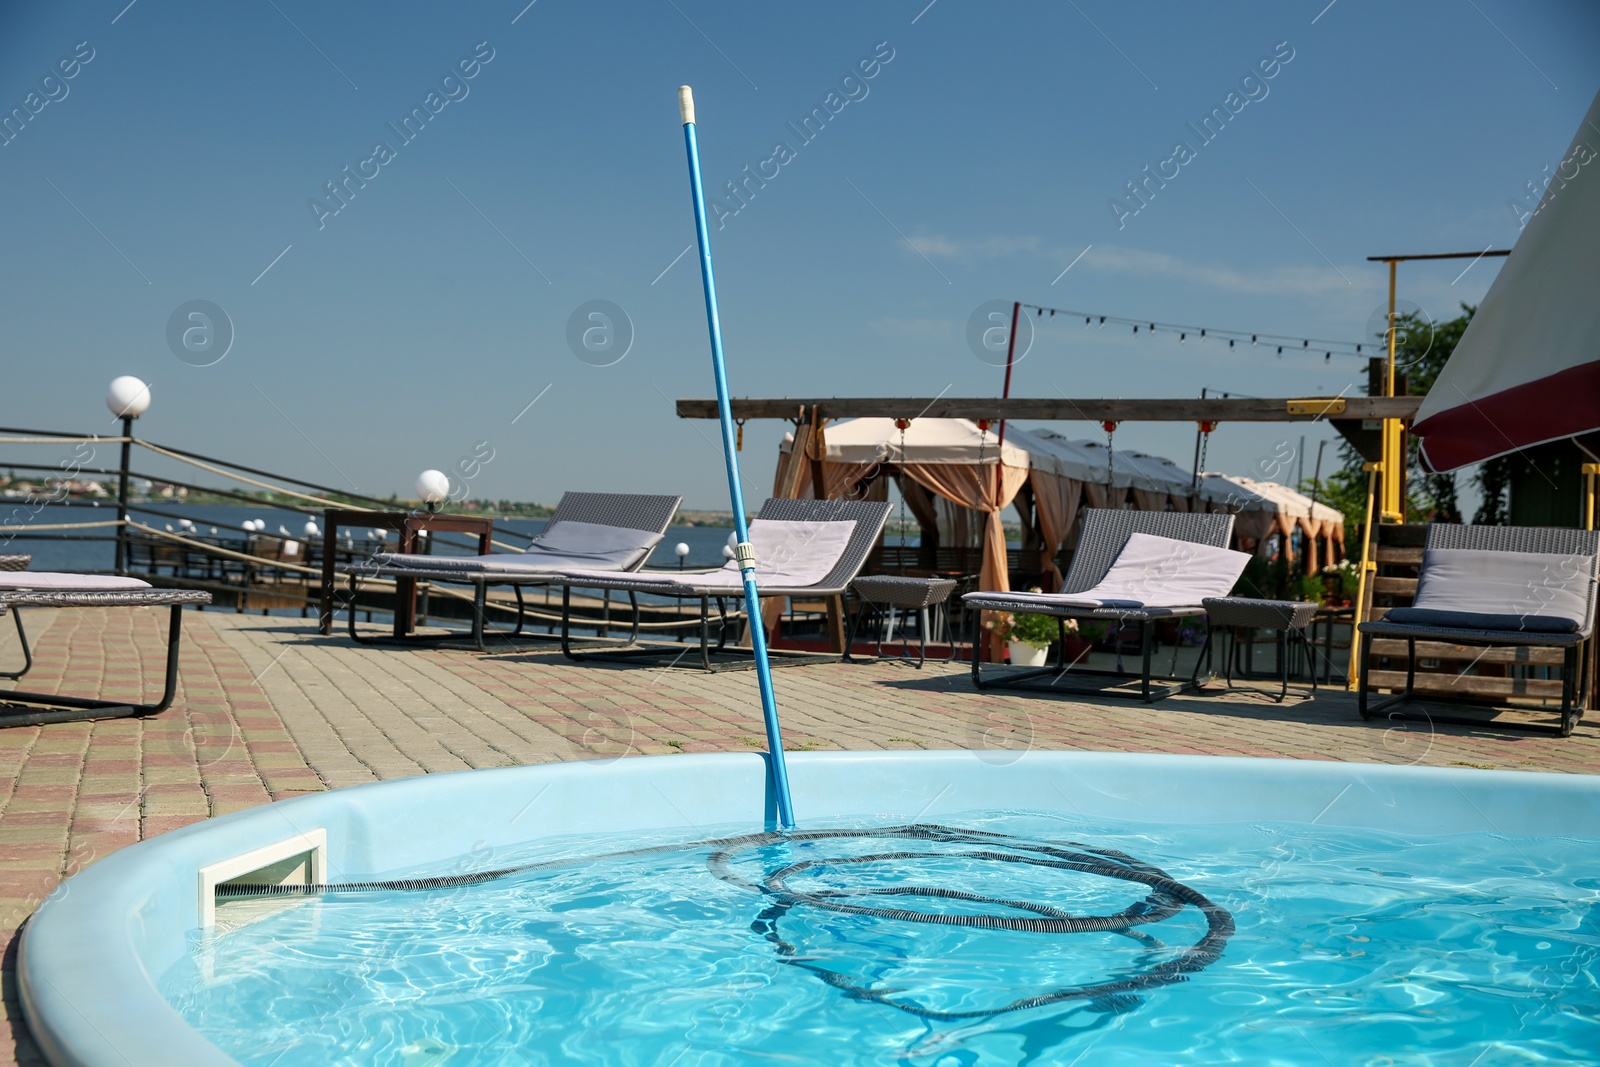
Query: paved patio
[268, 710]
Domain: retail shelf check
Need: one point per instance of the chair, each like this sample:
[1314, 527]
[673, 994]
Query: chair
[841, 567]
[1523, 586]
[45, 589]
[607, 531]
[1168, 590]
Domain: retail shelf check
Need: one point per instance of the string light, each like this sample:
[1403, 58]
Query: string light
[1327, 346]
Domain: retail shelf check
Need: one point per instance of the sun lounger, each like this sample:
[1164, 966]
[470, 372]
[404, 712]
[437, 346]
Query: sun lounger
[1129, 566]
[804, 548]
[18, 562]
[603, 531]
[1529, 587]
[43, 589]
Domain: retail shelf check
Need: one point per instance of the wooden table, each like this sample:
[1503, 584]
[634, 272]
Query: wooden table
[407, 524]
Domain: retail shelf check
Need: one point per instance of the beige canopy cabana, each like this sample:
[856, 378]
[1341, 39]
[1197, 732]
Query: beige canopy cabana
[950, 459]
[1047, 476]
[1265, 508]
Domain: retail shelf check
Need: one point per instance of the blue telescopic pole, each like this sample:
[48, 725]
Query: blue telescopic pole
[744, 555]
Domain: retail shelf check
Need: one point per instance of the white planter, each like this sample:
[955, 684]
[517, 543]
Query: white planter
[1026, 655]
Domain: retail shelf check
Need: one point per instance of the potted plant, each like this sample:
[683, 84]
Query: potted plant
[1309, 588]
[1027, 636]
[1341, 582]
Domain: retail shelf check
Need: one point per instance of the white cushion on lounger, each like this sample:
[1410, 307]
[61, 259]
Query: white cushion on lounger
[1485, 590]
[61, 581]
[789, 555]
[1153, 572]
[563, 545]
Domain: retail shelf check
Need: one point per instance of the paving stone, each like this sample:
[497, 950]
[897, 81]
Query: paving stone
[268, 711]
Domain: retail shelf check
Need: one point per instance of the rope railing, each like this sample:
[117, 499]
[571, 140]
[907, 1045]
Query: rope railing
[304, 497]
[316, 503]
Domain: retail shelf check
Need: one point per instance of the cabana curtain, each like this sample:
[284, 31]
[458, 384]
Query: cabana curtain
[975, 487]
[1055, 501]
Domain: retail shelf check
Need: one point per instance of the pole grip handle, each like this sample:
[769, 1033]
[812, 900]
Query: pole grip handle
[686, 104]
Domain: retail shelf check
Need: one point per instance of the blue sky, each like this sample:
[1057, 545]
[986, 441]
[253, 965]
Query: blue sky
[978, 160]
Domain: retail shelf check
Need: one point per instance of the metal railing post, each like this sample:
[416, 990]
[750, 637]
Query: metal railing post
[122, 495]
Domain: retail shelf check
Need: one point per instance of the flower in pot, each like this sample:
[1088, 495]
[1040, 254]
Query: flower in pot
[1029, 636]
[1342, 581]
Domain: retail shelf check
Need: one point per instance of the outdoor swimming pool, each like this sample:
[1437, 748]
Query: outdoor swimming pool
[1263, 911]
[1353, 945]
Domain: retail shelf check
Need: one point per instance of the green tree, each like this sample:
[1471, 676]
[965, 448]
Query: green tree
[1422, 347]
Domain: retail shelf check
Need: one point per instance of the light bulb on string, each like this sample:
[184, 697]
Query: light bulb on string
[1253, 339]
[1102, 322]
[1280, 350]
[1136, 331]
[1182, 337]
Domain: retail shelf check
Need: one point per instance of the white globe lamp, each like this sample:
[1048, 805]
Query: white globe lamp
[681, 550]
[128, 397]
[433, 487]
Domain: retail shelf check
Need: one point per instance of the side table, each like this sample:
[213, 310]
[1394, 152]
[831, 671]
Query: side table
[1288, 617]
[891, 592]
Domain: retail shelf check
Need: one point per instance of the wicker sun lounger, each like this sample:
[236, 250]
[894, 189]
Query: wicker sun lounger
[1530, 587]
[635, 522]
[1106, 532]
[721, 586]
[43, 589]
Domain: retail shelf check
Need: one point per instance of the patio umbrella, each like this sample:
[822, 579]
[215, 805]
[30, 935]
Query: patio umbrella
[1527, 370]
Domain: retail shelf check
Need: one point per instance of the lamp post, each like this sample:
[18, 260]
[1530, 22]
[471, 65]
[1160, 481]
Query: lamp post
[128, 398]
[681, 550]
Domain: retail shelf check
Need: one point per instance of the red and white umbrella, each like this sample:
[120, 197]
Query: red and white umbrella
[1527, 370]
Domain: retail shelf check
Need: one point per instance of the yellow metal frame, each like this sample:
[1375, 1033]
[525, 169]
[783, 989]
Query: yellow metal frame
[1591, 483]
[1369, 565]
[1320, 407]
[1391, 499]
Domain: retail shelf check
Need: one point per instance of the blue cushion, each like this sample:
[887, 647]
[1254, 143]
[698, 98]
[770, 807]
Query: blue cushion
[1478, 620]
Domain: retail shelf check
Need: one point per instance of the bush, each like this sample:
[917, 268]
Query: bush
[1037, 630]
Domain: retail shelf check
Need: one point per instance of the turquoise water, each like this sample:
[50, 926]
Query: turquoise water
[1348, 947]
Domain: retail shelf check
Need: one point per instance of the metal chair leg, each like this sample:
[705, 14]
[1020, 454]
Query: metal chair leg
[1199, 658]
[855, 626]
[1283, 664]
[27, 652]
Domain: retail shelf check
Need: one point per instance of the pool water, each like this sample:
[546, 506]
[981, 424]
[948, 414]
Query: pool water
[1296, 944]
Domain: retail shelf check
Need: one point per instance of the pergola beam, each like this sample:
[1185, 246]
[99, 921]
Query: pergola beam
[1192, 409]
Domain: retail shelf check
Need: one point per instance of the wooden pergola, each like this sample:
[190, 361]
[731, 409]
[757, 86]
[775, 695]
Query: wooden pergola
[1337, 410]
